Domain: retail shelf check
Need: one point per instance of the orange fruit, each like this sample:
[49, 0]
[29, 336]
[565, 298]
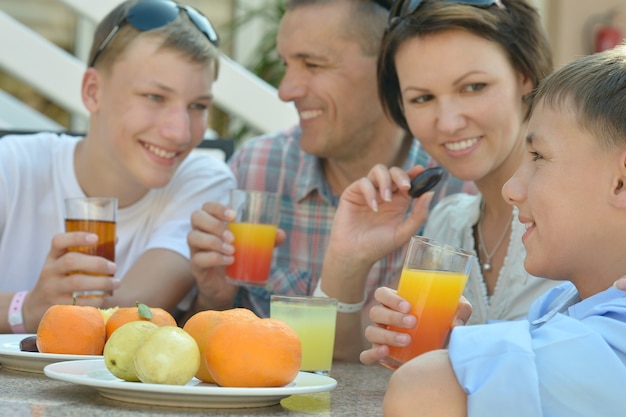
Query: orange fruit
[71, 329]
[123, 315]
[202, 323]
[253, 353]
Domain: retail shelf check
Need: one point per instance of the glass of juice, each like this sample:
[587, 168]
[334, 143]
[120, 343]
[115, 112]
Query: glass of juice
[93, 215]
[313, 319]
[255, 233]
[432, 280]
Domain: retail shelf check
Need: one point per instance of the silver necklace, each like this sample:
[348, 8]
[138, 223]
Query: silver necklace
[486, 266]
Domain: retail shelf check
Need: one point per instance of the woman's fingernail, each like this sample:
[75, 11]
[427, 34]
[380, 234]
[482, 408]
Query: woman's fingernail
[404, 306]
[387, 195]
[228, 236]
[230, 213]
[403, 339]
[228, 249]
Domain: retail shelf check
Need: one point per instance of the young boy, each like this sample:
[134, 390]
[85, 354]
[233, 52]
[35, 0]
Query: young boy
[568, 358]
[148, 89]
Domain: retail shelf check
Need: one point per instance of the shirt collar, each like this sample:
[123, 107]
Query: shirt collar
[312, 179]
[568, 302]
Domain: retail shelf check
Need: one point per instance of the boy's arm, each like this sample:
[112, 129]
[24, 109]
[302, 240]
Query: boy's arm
[427, 387]
[159, 278]
[162, 275]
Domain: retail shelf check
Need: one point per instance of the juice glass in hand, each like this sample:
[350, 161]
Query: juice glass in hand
[93, 215]
[255, 233]
[432, 280]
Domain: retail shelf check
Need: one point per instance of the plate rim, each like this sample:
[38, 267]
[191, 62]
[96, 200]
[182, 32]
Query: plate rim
[12, 357]
[98, 365]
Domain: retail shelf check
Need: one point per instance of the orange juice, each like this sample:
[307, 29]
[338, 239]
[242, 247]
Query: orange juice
[254, 244]
[434, 297]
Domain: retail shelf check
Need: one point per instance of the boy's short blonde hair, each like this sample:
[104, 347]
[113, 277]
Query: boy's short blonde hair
[179, 35]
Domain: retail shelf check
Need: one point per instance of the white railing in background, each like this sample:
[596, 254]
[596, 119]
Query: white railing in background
[15, 115]
[39, 63]
[57, 74]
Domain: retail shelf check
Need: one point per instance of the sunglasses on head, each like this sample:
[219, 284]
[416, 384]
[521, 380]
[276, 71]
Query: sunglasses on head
[152, 14]
[403, 8]
[385, 4]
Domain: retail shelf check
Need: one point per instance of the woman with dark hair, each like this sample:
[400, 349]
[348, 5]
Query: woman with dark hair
[455, 74]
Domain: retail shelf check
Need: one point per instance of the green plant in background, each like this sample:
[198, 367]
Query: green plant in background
[265, 61]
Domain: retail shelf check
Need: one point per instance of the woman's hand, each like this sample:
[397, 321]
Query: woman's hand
[394, 310]
[371, 220]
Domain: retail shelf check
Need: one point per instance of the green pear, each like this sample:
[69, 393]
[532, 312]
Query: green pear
[169, 355]
[119, 350]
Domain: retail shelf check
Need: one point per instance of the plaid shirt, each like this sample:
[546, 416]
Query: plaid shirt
[306, 215]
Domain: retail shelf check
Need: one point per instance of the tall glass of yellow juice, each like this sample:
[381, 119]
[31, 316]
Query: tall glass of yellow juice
[313, 319]
[432, 280]
[254, 230]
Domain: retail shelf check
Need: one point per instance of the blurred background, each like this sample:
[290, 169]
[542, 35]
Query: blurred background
[44, 44]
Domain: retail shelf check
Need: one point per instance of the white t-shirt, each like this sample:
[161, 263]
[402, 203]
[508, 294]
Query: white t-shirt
[451, 221]
[37, 173]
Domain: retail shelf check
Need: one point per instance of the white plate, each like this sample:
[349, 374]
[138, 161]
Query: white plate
[11, 357]
[94, 373]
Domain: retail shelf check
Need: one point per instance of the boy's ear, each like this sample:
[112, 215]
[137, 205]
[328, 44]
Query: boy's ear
[619, 182]
[527, 85]
[90, 89]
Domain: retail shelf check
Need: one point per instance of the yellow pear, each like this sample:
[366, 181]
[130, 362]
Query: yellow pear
[119, 350]
[168, 355]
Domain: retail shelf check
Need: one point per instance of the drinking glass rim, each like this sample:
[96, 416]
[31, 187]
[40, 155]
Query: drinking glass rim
[308, 298]
[447, 247]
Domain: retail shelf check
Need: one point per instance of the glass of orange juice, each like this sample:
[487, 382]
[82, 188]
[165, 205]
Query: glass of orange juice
[94, 215]
[432, 280]
[255, 233]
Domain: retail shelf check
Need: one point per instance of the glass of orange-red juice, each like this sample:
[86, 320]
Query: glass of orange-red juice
[432, 280]
[254, 230]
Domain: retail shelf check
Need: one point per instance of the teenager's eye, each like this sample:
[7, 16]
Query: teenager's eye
[154, 97]
[472, 88]
[534, 156]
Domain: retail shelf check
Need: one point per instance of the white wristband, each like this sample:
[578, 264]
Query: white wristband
[16, 320]
[341, 307]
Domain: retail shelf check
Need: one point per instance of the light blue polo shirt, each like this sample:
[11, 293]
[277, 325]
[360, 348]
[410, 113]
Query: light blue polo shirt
[567, 359]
